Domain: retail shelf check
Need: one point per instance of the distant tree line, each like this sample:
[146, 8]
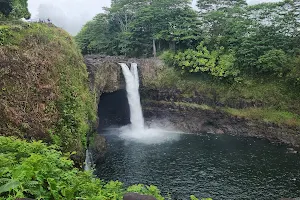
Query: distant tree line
[224, 38]
[139, 27]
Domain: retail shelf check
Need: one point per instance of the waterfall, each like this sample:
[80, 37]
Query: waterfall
[153, 133]
[134, 71]
[88, 161]
[133, 95]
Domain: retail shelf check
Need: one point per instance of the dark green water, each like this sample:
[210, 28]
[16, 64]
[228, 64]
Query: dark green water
[220, 167]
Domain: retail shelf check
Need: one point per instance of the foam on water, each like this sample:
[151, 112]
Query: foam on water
[149, 135]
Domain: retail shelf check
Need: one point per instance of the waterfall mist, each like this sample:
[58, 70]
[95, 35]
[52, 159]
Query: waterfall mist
[136, 131]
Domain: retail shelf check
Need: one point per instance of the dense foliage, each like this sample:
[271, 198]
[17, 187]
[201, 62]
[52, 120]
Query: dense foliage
[34, 170]
[44, 92]
[140, 28]
[14, 9]
[225, 39]
[240, 41]
[216, 62]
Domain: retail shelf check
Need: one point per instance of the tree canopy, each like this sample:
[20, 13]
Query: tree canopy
[138, 28]
[15, 9]
[225, 38]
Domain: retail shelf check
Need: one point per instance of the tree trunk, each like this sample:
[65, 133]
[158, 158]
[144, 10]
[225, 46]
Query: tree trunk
[154, 48]
[172, 45]
[159, 46]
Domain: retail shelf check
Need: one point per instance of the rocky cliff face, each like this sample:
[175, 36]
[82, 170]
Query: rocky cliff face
[105, 74]
[199, 119]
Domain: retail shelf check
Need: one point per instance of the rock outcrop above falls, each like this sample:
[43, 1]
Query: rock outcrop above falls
[105, 74]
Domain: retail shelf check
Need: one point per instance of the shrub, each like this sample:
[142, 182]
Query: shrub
[293, 76]
[216, 63]
[35, 170]
[168, 58]
[274, 62]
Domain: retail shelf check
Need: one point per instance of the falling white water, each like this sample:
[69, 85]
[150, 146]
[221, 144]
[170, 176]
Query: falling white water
[134, 71]
[155, 132]
[133, 95]
[88, 161]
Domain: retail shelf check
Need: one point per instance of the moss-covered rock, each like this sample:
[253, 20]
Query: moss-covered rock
[44, 90]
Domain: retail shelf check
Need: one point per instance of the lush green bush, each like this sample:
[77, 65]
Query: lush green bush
[14, 9]
[274, 62]
[168, 58]
[293, 76]
[217, 63]
[35, 170]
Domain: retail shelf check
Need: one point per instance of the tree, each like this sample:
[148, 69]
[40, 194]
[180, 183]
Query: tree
[274, 61]
[224, 21]
[95, 36]
[141, 27]
[5, 7]
[15, 9]
[206, 6]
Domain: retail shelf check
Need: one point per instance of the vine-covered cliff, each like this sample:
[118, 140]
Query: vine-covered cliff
[44, 86]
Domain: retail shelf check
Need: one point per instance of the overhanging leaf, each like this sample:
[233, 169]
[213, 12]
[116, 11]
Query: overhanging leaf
[12, 184]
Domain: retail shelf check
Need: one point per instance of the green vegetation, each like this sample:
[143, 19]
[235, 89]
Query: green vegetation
[241, 41]
[270, 115]
[45, 95]
[35, 170]
[267, 115]
[44, 87]
[140, 28]
[216, 63]
[184, 104]
[14, 9]
[228, 51]
[275, 103]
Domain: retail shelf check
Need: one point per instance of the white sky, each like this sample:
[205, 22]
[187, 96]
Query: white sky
[73, 14]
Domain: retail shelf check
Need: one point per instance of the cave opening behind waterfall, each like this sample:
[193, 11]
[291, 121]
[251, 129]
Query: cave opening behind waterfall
[113, 110]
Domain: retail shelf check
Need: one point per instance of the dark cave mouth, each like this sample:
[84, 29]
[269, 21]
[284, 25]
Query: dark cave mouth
[113, 110]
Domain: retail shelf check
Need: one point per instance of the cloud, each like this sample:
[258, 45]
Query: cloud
[71, 15]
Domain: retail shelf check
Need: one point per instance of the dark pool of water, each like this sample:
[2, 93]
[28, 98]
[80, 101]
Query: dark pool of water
[220, 167]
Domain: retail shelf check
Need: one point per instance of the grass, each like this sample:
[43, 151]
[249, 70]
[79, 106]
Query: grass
[183, 104]
[267, 115]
